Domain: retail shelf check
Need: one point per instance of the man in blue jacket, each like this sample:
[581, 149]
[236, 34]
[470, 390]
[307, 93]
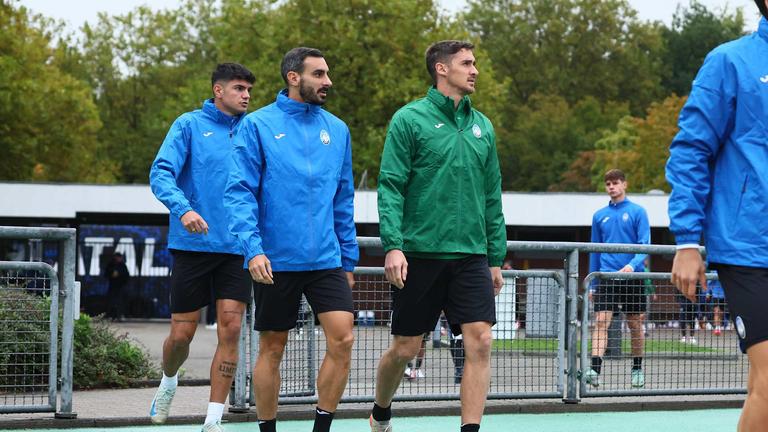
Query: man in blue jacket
[717, 170]
[290, 199]
[188, 176]
[621, 221]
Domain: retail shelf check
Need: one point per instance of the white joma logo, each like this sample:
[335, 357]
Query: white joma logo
[764, 79]
[439, 125]
[279, 136]
[207, 134]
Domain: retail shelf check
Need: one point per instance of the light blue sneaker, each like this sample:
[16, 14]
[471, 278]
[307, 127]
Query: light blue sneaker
[592, 378]
[161, 405]
[212, 427]
[637, 378]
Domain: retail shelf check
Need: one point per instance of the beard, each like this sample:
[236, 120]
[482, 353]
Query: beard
[310, 96]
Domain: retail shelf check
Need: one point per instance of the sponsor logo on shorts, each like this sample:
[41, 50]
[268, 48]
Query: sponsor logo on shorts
[324, 137]
[740, 328]
[476, 131]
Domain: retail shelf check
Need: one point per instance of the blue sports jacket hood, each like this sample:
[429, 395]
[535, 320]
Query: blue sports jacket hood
[190, 173]
[290, 193]
[623, 222]
[719, 159]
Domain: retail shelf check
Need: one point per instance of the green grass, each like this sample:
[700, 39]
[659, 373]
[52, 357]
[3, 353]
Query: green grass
[550, 345]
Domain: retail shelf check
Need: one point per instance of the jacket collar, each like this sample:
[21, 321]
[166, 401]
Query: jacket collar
[209, 108]
[445, 103]
[619, 204]
[762, 29]
[293, 107]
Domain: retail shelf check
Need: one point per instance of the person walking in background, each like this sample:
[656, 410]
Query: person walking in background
[717, 170]
[621, 221]
[188, 176]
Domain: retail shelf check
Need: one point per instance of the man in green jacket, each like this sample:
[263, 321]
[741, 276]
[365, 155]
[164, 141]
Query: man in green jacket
[442, 228]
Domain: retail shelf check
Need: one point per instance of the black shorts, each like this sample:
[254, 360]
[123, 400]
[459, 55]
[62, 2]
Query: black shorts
[626, 295]
[460, 287]
[195, 274]
[746, 293]
[277, 306]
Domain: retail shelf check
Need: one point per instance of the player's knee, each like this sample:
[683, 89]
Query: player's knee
[483, 343]
[180, 339]
[405, 352]
[341, 344]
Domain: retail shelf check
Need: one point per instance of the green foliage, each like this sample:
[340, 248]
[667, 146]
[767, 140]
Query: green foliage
[695, 31]
[101, 357]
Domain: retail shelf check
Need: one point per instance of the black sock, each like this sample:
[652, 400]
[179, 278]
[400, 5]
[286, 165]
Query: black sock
[597, 364]
[323, 420]
[470, 427]
[637, 363]
[418, 363]
[381, 414]
[267, 425]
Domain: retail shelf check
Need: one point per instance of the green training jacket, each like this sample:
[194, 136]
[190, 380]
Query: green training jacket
[439, 188]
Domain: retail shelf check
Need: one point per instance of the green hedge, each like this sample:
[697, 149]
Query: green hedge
[102, 358]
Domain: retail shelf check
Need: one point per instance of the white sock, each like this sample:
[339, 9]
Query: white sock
[169, 382]
[215, 411]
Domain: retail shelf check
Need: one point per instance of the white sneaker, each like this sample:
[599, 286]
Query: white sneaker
[692, 340]
[417, 373]
[211, 326]
[407, 373]
[161, 405]
[684, 339]
[376, 426]
[212, 427]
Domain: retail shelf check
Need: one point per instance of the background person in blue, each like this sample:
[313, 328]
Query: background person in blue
[717, 170]
[290, 197]
[188, 176]
[621, 221]
[715, 296]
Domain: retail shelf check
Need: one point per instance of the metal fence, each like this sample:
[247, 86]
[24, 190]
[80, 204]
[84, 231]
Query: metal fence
[688, 347]
[541, 341]
[37, 306]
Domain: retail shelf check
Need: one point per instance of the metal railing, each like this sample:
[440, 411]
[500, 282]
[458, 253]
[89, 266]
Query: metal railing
[33, 298]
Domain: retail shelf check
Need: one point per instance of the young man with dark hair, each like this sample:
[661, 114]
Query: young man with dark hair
[621, 221]
[290, 199]
[188, 176]
[717, 170]
[442, 228]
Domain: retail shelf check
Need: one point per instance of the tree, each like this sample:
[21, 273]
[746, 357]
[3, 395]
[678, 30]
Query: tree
[48, 122]
[695, 31]
[640, 146]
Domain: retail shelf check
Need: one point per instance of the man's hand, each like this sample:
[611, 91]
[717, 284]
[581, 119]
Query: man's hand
[194, 223]
[627, 269]
[350, 279]
[498, 280]
[260, 269]
[396, 268]
[687, 269]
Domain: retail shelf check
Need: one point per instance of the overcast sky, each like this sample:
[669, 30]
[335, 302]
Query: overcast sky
[77, 12]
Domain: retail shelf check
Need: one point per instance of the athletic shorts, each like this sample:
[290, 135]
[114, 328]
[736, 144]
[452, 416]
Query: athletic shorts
[277, 306]
[195, 274]
[460, 287]
[627, 295]
[746, 293]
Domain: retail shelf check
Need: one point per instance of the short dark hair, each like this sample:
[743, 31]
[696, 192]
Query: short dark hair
[293, 60]
[441, 52]
[763, 9]
[226, 72]
[615, 174]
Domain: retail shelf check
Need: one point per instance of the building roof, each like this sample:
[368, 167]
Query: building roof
[52, 200]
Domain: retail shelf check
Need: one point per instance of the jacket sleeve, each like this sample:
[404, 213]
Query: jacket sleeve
[393, 177]
[167, 167]
[242, 191]
[344, 212]
[704, 123]
[495, 228]
[643, 234]
[594, 258]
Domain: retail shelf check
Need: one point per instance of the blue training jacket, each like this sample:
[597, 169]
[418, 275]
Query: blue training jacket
[190, 173]
[718, 160]
[625, 222]
[290, 193]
